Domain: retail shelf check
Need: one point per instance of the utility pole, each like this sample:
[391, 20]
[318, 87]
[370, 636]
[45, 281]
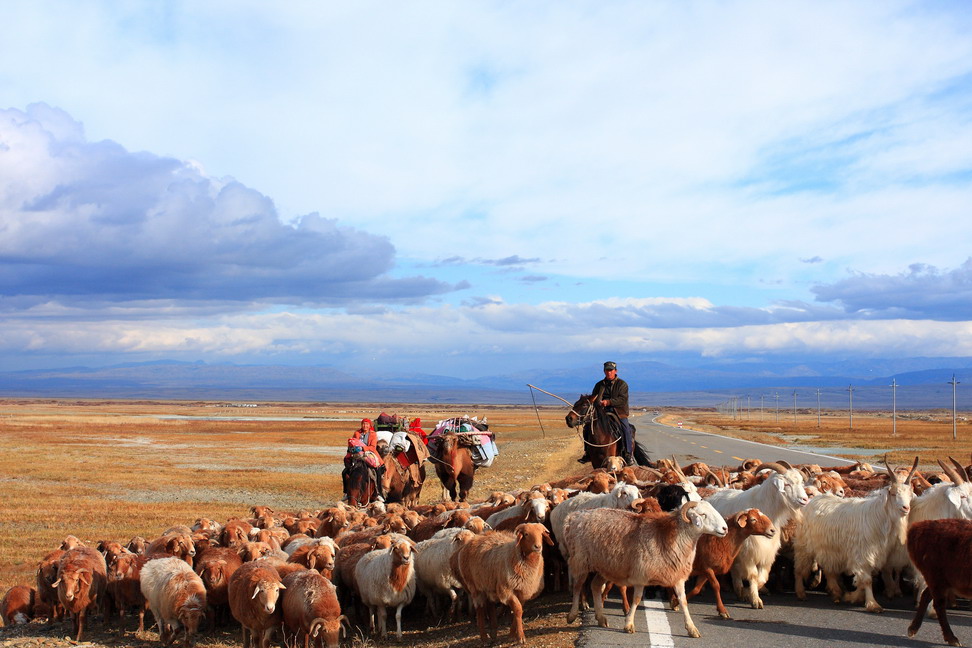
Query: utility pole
[794, 406]
[818, 407]
[777, 396]
[749, 406]
[850, 390]
[761, 397]
[894, 407]
[953, 383]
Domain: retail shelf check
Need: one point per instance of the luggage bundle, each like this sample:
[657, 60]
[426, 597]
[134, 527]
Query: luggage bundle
[473, 434]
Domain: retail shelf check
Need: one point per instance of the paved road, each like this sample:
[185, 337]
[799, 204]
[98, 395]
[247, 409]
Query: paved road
[785, 621]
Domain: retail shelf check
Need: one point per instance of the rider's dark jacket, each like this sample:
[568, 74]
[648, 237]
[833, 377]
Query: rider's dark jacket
[615, 391]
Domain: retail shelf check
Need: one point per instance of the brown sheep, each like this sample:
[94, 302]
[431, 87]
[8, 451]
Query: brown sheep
[175, 541]
[215, 567]
[503, 567]
[17, 606]
[124, 574]
[714, 556]
[310, 609]
[253, 592]
[137, 545]
[334, 520]
[46, 591]
[316, 556]
[252, 550]
[235, 532]
[428, 527]
[81, 581]
[71, 542]
[391, 524]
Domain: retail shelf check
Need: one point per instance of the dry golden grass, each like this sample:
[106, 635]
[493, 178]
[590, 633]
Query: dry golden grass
[114, 469]
[927, 434]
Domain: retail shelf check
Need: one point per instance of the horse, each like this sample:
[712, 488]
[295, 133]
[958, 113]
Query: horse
[399, 483]
[600, 439]
[454, 466]
[361, 483]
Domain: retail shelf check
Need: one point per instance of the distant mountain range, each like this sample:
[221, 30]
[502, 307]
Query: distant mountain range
[922, 383]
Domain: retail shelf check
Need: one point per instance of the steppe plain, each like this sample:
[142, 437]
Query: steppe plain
[116, 469]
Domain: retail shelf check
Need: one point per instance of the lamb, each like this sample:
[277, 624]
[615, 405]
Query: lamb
[176, 595]
[17, 606]
[503, 567]
[628, 549]
[80, 584]
[124, 574]
[310, 608]
[779, 497]
[46, 577]
[253, 592]
[386, 578]
[853, 535]
[941, 550]
[714, 556]
[216, 567]
[621, 497]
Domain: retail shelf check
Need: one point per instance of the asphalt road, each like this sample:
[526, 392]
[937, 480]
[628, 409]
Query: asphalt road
[785, 621]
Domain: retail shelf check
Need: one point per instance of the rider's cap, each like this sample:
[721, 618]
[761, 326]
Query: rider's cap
[610, 366]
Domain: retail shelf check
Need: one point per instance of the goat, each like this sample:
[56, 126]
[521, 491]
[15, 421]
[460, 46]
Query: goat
[779, 496]
[853, 535]
[632, 549]
[941, 551]
[503, 567]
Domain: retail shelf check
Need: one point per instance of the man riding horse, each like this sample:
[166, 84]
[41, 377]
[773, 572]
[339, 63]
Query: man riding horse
[612, 394]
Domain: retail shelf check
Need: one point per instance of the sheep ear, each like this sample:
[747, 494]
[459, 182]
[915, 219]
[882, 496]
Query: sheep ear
[547, 539]
[255, 592]
[741, 519]
[697, 520]
[281, 586]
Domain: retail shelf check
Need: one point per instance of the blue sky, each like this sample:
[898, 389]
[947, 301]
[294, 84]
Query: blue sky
[478, 188]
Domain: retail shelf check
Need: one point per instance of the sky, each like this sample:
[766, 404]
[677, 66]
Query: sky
[480, 188]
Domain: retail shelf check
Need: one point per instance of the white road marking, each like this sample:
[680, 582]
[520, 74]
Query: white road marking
[659, 632]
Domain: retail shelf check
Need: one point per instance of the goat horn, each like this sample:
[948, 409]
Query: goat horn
[685, 509]
[960, 469]
[890, 472]
[678, 469]
[772, 466]
[785, 464]
[718, 479]
[956, 479]
[914, 468]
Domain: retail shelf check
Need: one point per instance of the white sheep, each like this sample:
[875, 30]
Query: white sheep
[386, 578]
[621, 497]
[778, 497]
[854, 535]
[636, 549]
[175, 594]
[535, 503]
[434, 574]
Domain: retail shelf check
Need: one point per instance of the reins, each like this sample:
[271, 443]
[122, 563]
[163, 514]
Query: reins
[585, 419]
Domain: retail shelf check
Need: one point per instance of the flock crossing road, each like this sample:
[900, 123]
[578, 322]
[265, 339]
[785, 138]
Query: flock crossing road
[785, 621]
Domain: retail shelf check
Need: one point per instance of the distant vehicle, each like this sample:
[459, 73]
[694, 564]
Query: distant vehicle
[656, 413]
[679, 424]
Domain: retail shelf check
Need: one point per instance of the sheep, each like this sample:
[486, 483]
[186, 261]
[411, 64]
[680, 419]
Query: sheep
[779, 497]
[17, 606]
[941, 551]
[503, 567]
[253, 592]
[81, 581]
[46, 577]
[176, 595]
[235, 532]
[317, 556]
[853, 535]
[175, 541]
[386, 578]
[310, 608]
[334, 520]
[71, 542]
[124, 575]
[430, 526]
[621, 497]
[943, 500]
[714, 556]
[432, 570]
[643, 549]
[533, 510]
[137, 545]
[252, 550]
[391, 524]
[215, 567]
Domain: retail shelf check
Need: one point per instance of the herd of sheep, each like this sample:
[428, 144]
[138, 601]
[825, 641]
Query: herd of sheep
[304, 575]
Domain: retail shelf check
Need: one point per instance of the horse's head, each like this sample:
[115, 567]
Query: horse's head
[579, 411]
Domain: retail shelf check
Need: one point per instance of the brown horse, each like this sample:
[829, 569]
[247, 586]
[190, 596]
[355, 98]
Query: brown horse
[454, 466]
[600, 439]
[361, 483]
[400, 484]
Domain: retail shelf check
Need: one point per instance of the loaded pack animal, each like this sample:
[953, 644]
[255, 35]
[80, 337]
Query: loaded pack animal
[454, 467]
[402, 484]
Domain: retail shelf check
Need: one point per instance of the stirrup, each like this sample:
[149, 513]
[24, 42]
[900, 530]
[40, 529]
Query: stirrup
[584, 459]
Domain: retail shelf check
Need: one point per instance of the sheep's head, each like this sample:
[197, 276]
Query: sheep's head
[269, 592]
[900, 492]
[72, 583]
[755, 522]
[530, 538]
[624, 495]
[213, 574]
[71, 542]
[192, 612]
[321, 558]
[476, 525]
[330, 630]
[123, 566]
[537, 509]
[705, 518]
[959, 492]
[252, 550]
[402, 552]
